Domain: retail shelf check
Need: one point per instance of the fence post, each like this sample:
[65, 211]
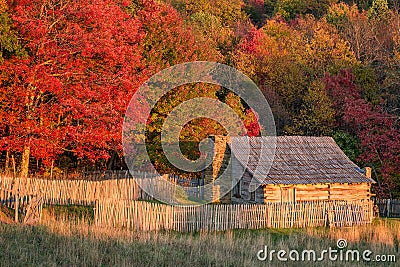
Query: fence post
[96, 212]
[388, 208]
[16, 196]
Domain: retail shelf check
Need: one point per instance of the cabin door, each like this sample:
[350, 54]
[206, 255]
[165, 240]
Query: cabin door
[288, 194]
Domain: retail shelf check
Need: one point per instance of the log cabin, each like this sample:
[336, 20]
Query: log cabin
[291, 169]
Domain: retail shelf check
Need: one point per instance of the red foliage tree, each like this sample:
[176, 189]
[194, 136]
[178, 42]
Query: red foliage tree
[71, 91]
[379, 137]
[84, 61]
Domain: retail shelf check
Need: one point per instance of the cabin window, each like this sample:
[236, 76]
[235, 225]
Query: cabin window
[253, 196]
[236, 190]
[288, 194]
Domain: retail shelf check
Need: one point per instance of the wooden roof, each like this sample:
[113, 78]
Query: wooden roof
[297, 160]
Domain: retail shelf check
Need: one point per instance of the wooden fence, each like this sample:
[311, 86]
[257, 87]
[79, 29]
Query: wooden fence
[12, 199]
[118, 185]
[116, 206]
[388, 207]
[143, 216]
[21, 203]
[77, 192]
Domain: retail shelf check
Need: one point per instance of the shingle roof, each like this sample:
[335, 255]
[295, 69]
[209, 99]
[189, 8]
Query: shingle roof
[297, 160]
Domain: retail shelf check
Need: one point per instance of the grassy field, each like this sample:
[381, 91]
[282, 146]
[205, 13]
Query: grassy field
[71, 240]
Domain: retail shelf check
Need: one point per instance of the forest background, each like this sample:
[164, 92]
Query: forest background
[68, 69]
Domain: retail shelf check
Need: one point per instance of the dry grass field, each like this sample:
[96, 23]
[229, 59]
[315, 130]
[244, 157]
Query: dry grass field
[63, 239]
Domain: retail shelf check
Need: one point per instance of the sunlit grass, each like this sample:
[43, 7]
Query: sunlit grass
[68, 241]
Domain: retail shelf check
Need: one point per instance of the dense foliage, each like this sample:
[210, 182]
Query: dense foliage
[69, 68]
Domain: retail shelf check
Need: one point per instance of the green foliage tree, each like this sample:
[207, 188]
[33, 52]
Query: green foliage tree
[379, 10]
[317, 116]
[209, 29]
[289, 9]
[229, 11]
[9, 44]
[348, 143]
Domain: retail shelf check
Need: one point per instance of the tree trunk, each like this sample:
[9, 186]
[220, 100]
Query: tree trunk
[13, 163]
[111, 160]
[25, 161]
[51, 169]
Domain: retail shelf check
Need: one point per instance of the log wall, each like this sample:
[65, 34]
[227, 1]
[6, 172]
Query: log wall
[310, 192]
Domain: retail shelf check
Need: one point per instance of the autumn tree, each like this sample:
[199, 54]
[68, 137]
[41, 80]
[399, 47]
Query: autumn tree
[228, 11]
[70, 92]
[379, 10]
[316, 117]
[367, 32]
[9, 47]
[288, 62]
[289, 9]
[372, 35]
[258, 11]
[9, 43]
[375, 129]
[169, 41]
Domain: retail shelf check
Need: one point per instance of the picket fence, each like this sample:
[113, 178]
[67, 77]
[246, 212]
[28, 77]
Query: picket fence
[29, 206]
[146, 216]
[118, 185]
[116, 205]
[12, 199]
[77, 192]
